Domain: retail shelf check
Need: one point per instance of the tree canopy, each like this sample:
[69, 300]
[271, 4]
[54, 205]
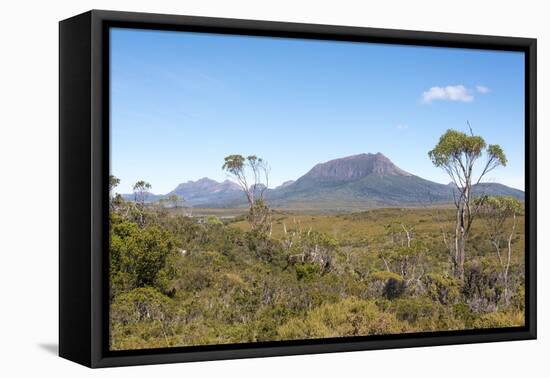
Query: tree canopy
[456, 152]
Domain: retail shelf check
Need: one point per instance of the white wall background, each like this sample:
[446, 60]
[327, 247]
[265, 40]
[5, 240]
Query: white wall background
[29, 188]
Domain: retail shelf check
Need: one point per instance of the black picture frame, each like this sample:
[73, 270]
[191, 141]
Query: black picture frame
[84, 170]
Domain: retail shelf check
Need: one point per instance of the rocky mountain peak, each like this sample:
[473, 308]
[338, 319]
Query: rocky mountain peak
[356, 167]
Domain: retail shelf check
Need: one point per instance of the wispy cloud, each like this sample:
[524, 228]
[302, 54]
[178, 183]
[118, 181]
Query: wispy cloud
[483, 89]
[449, 93]
[402, 126]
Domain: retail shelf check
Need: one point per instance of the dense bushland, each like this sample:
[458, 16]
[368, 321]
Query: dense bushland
[177, 280]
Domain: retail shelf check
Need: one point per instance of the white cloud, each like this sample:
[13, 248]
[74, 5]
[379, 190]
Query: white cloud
[448, 93]
[483, 89]
[402, 126]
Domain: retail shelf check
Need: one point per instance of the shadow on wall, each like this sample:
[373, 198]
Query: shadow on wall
[51, 348]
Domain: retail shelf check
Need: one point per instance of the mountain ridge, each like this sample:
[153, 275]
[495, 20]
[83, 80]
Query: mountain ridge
[364, 180]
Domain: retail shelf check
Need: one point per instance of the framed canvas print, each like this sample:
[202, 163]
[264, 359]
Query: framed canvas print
[234, 188]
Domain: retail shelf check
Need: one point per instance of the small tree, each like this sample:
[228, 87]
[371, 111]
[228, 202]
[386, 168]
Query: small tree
[161, 203]
[252, 176]
[457, 154]
[311, 247]
[114, 199]
[403, 254]
[113, 183]
[497, 210]
[174, 200]
[141, 191]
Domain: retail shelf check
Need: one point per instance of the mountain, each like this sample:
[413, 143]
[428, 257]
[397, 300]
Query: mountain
[203, 192]
[149, 197]
[351, 168]
[354, 182]
[368, 180]
[207, 192]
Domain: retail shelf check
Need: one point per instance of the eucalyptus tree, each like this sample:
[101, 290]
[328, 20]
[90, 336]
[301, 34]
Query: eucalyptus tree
[141, 191]
[174, 199]
[459, 154]
[115, 200]
[251, 173]
[113, 183]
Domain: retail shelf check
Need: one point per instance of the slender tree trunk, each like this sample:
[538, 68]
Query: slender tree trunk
[460, 237]
[507, 269]
[408, 234]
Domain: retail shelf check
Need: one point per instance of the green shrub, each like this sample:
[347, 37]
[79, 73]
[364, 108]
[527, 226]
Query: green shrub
[141, 305]
[349, 317]
[441, 288]
[499, 320]
[387, 284]
[138, 256]
[307, 272]
[383, 275]
[414, 309]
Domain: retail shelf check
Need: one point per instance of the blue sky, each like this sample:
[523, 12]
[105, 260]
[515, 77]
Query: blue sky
[181, 102]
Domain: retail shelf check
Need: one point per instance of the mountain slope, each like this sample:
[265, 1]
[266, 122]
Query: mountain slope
[495, 189]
